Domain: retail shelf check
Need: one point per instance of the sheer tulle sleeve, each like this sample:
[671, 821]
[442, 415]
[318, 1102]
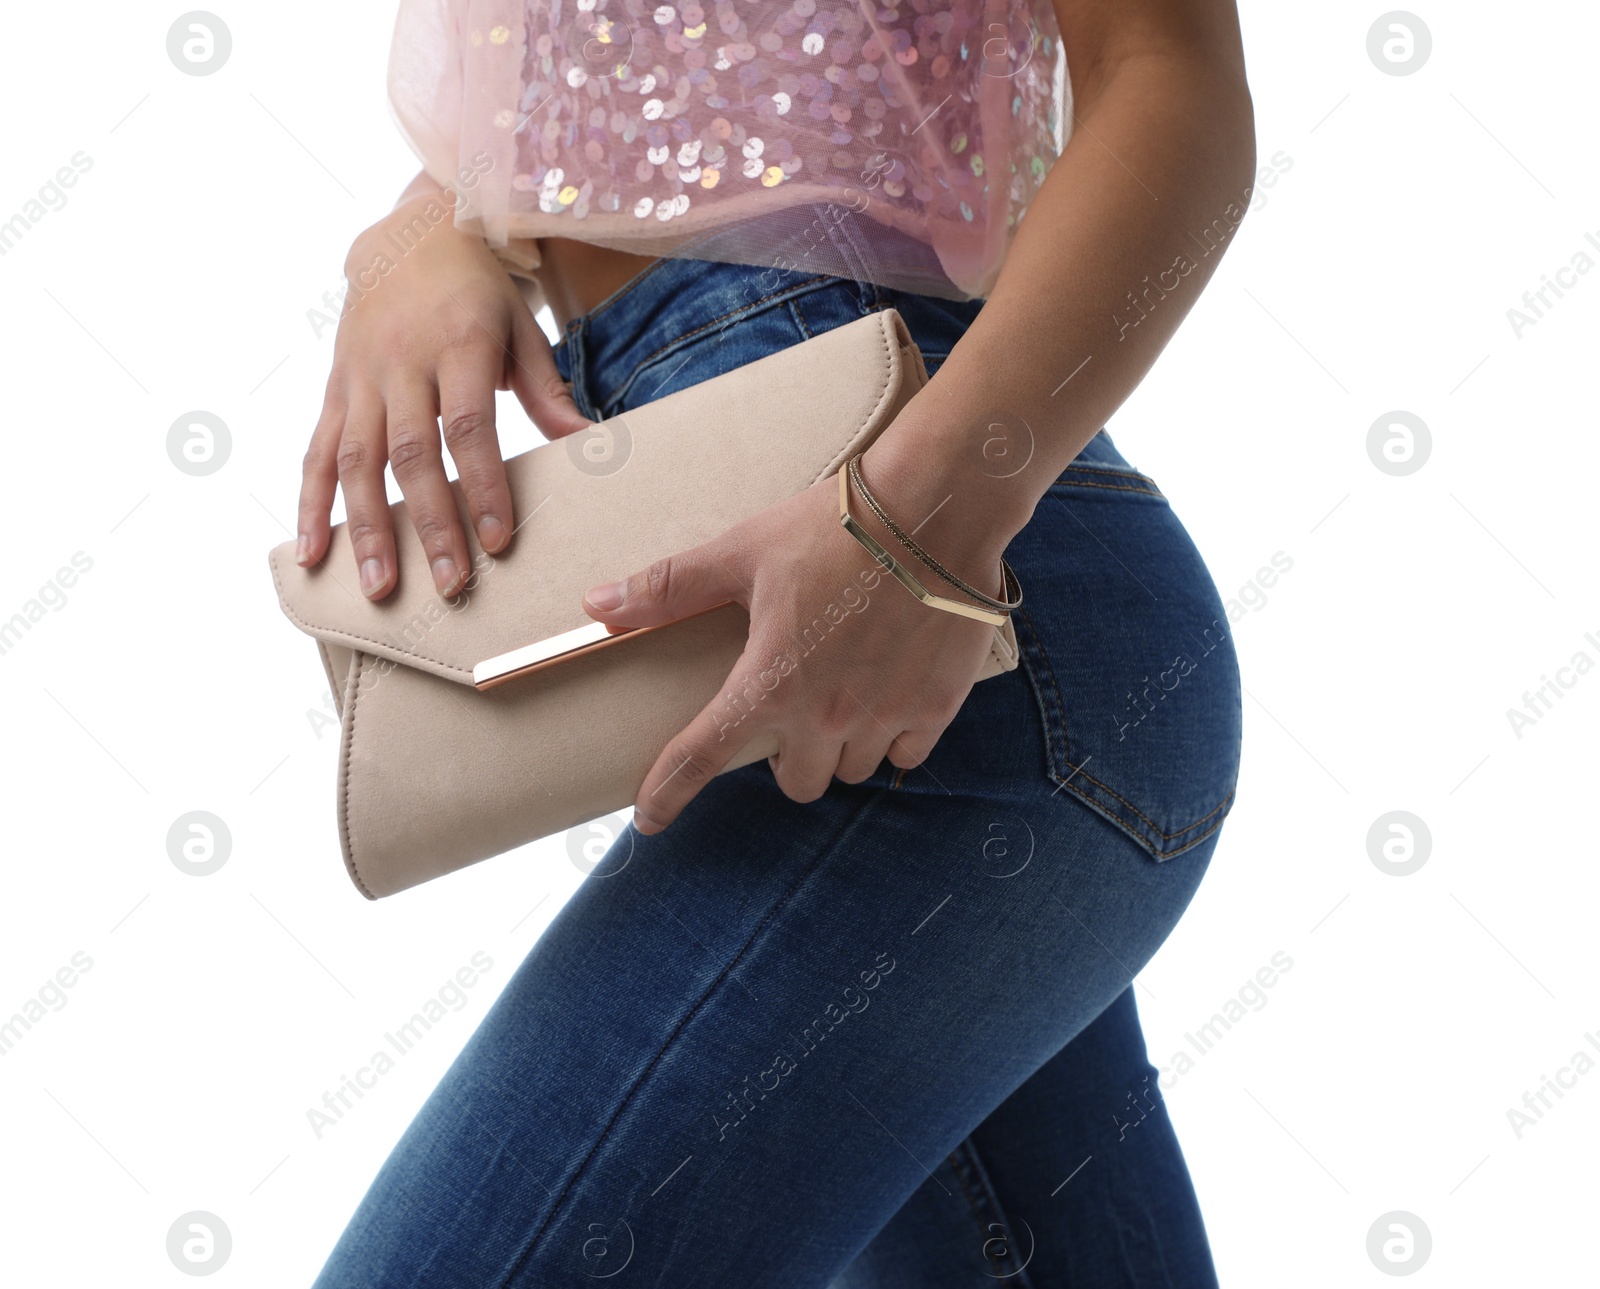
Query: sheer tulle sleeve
[428, 98]
[715, 128]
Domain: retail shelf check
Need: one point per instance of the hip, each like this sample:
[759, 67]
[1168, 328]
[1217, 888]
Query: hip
[1126, 699]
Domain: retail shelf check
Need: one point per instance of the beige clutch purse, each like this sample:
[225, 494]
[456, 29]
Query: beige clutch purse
[472, 726]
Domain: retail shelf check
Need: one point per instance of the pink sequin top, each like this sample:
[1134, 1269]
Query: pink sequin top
[712, 128]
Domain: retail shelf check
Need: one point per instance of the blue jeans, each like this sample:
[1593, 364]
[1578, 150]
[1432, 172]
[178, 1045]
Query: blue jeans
[886, 1039]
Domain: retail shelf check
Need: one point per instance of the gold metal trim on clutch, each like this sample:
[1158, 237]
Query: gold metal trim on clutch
[577, 643]
[901, 573]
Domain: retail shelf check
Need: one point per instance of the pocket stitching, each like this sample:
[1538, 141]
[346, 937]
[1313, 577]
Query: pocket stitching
[1055, 732]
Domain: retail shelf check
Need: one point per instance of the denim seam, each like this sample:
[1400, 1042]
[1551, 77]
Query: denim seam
[1112, 470]
[795, 288]
[1058, 753]
[1078, 769]
[1064, 482]
[823, 854]
[973, 1177]
[799, 320]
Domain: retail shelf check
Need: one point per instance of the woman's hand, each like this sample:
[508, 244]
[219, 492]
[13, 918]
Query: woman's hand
[842, 664]
[436, 329]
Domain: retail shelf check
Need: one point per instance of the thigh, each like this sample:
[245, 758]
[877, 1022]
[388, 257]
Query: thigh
[743, 1044]
[1076, 1179]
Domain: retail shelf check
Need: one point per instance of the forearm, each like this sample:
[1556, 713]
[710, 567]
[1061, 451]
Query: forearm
[1115, 248]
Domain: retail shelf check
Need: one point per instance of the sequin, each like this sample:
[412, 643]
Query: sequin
[606, 109]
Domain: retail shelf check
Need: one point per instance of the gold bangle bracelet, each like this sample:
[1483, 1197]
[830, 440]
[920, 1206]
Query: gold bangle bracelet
[927, 560]
[904, 575]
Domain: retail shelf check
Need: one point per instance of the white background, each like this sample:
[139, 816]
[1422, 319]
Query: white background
[1375, 276]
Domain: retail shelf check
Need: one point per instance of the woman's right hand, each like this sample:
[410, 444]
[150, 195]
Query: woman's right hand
[430, 339]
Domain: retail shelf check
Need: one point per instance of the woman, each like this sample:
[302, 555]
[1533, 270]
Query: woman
[861, 1016]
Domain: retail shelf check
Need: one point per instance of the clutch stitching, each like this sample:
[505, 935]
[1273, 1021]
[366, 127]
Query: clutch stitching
[352, 695]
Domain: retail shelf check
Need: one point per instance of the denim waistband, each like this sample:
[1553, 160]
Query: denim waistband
[676, 300]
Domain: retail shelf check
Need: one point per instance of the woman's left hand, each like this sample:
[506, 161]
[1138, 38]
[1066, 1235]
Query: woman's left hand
[842, 664]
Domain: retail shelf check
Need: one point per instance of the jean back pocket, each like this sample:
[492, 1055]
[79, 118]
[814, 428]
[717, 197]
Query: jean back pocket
[1128, 649]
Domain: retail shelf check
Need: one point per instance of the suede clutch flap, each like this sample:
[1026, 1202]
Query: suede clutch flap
[437, 771]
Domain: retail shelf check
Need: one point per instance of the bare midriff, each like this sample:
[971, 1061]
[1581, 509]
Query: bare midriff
[576, 276]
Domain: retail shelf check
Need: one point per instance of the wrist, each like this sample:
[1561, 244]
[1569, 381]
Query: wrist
[421, 212]
[938, 492]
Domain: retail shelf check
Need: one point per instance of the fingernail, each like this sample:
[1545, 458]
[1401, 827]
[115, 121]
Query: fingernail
[607, 597]
[491, 533]
[302, 550]
[372, 578]
[445, 575]
[646, 825]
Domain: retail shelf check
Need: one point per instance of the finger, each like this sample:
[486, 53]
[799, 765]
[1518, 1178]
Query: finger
[359, 461]
[862, 756]
[536, 380]
[319, 479]
[691, 760]
[805, 765]
[467, 377]
[419, 470]
[673, 587]
[912, 747]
